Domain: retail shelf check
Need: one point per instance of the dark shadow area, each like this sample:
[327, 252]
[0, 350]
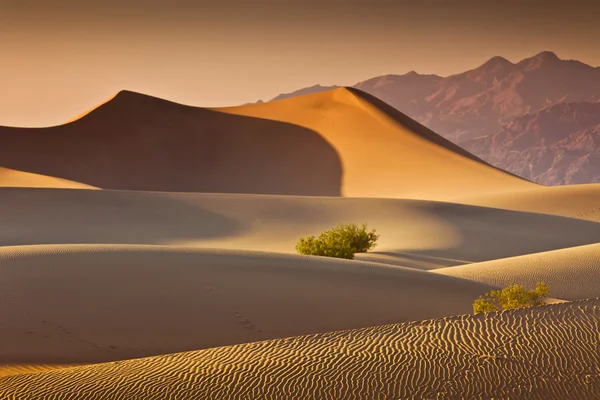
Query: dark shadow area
[58, 216]
[138, 142]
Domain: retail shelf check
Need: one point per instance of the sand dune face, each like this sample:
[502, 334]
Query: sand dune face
[139, 142]
[338, 142]
[549, 352]
[575, 201]
[99, 303]
[571, 273]
[383, 152]
[411, 230]
[12, 178]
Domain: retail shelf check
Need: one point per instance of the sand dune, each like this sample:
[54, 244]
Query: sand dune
[91, 303]
[422, 234]
[576, 201]
[338, 142]
[12, 178]
[548, 352]
[571, 273]
[383, 152]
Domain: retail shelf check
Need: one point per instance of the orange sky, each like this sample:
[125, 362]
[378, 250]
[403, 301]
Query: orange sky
[62, 57]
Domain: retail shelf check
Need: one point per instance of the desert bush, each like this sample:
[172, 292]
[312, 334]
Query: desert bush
[342, 241]
[512, 297]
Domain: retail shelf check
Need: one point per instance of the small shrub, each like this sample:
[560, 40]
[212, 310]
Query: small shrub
[510, 298]
[342, 241]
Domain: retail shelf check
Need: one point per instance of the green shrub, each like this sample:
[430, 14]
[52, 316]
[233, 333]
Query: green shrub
[342, 241]
[510, 298]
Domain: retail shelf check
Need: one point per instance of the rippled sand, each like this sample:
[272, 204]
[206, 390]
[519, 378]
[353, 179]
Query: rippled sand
[549, 352]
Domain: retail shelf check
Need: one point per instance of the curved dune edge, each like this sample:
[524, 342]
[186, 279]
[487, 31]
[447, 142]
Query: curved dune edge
[414, 233]
[571, 274]
[575, 201]
[13, 178]
[96, 303]
[545, 352]
[411, 160]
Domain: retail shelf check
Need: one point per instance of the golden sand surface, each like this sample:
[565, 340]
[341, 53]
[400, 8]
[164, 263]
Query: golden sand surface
[571, 273]
[548, 352]
[12, 178]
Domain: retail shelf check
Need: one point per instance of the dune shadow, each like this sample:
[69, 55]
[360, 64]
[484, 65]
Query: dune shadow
[138, 142]
[491, 233]
[58, 216]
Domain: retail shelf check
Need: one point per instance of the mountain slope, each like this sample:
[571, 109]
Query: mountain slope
[500, 96]
[557, 145]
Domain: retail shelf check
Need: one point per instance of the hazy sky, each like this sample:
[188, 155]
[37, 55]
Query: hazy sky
[62, 57]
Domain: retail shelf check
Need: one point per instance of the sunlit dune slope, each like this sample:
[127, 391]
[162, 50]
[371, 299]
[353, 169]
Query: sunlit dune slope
[12, 178]
[549, 352]
[79, 304]
[571, 273]
[338, 142]
[577, 201]
[383, 152]
[410, 230]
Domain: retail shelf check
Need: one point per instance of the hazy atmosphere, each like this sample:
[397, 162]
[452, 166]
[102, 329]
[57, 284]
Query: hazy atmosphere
[310, 199]
[64, 57]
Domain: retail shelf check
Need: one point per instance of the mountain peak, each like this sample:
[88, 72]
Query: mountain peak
[547, 56]
[497, 61]
[541, 59]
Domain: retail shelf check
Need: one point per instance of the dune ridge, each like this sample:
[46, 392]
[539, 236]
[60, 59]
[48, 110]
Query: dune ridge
[571, 273]
[546, 352]
[412, 232]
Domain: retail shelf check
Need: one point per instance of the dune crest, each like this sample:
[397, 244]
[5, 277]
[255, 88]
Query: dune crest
[409, 229]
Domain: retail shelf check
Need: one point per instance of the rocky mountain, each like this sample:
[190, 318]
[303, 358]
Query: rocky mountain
[559, 144]
[496, 97]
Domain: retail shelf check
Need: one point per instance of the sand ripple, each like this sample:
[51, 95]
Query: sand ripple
[549, 352]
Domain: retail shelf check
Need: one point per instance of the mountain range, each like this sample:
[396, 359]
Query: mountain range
[537, 118]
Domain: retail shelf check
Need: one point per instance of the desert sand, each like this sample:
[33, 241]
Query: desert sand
[549, 352]
[571, 273]
[575, 201]
[12, 178]
[179, 242]
[104, 303]
[412, 232]
[339, 142]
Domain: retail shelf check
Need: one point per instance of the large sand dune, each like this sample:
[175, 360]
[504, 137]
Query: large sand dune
[339, 142]
[413, 232]
[571, 273]
[548, 352]
[79, 304]
[12, 178]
